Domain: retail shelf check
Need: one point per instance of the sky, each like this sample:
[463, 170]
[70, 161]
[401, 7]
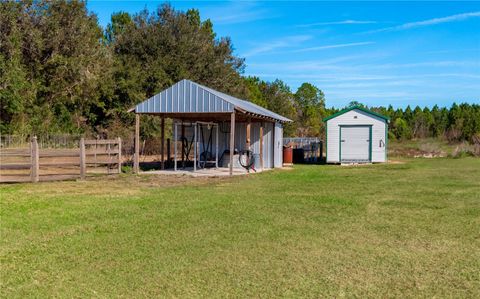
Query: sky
[376, 53]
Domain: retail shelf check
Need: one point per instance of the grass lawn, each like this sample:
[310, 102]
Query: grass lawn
[397, 230]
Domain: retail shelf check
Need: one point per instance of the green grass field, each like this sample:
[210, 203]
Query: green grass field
[397, 230]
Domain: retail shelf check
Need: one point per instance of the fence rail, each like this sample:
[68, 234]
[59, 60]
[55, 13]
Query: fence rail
[34, 164]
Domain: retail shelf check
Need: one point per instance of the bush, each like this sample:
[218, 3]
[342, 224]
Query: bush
[453, 135]
[391, 136]
[476, 139]
[466, 150]
[127, 169]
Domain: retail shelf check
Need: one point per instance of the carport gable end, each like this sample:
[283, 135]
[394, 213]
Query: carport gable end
[190, 99]
[356, 135]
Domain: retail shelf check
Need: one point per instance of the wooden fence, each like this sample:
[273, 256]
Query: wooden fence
[34, 164]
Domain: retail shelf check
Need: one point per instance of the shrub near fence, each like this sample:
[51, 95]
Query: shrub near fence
[34, 164]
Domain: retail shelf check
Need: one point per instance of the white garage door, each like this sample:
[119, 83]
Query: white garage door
[355, 144]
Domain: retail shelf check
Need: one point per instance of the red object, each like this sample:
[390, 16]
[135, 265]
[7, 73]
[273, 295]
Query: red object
[287, 155]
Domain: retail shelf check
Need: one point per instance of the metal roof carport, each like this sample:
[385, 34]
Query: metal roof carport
[192, 102]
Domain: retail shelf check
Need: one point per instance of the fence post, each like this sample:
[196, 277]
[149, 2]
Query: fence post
[320, 144]
[119, 140]
[34, 156]
[83, 159]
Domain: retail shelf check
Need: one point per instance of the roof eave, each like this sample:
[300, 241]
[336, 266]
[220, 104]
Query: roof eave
[343, 111]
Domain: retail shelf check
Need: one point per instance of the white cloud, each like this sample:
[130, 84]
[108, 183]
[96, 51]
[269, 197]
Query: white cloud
[344, 22]
[353, 65]
[435, 21]
[288, 41]
[335, 78]
[239, 17]
[334, 46]
[236, 13]
[445, 63]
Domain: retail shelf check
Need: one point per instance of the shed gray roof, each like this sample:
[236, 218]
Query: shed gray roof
[187, 96]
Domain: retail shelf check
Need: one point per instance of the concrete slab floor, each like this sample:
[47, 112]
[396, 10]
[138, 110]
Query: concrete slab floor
[205, 172]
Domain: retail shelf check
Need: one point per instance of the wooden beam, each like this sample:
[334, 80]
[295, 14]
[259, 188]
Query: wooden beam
[261, 145]
[273, 145]
[211, 117]
[183, 145]
[101, 142]
[136, 158]
[216, 146]
[119, 155]
[248, 143]
[175, 138]
[35, 172]
[249, 126]
[83, 159]
[168, 150]
[232, 140]
[162, 149]
[195, 129]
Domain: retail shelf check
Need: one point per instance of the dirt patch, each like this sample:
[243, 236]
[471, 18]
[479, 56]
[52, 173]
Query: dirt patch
[417, 153]
[116, 185]
[395, 162]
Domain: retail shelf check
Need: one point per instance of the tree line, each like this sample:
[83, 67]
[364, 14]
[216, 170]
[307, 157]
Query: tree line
[61, 72]
[457, 123]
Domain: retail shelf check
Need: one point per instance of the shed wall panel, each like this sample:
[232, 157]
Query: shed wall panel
[268, 145]
[240, 139]
[278, 146]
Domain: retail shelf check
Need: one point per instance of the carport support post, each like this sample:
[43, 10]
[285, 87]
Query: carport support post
[195, 147]
[232, 140]
[136, 166]
[249, 126]
[162, 149]
[183, 145]
[175, 138]
[261, 145]
[168, 150]
[216, 146]
[247, 144]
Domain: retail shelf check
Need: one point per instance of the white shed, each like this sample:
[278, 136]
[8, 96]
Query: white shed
[356, 135]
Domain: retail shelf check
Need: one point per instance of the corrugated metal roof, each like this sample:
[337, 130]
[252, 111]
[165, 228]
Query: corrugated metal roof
[184, 97]
[246, 105]
[187, 96]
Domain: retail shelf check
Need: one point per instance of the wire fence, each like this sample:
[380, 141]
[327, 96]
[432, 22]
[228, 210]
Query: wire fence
[44, 141]
[300, 142]
[305, 149]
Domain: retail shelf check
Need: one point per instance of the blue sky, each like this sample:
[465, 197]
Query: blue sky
[377, 53]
